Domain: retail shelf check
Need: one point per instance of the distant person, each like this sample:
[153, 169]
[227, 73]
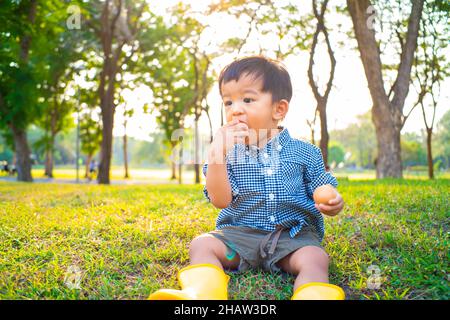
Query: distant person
[12, 170]
[92, 169]
[5, 167]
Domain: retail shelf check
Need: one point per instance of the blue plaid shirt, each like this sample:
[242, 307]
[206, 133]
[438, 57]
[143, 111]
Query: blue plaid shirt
[273, 185]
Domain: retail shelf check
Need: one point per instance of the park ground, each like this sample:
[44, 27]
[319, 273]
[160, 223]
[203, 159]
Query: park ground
[126, 241]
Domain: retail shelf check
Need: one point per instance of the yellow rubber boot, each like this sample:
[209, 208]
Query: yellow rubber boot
[198, 282]
[318, 291]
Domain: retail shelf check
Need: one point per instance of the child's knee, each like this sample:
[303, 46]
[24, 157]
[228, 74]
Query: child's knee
[203, 243]
[316, 256]
[310, 257]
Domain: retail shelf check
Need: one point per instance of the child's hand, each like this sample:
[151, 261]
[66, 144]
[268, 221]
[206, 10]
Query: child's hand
[333, 207]
[228, 135]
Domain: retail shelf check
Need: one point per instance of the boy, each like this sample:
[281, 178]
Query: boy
[263, 180]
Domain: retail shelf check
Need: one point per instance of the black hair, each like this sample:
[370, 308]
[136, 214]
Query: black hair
[273, 73]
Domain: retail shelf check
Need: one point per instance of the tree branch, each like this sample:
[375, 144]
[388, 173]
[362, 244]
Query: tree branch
[370, 57]
[402, 81]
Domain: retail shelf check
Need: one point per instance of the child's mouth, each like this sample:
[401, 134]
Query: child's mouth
[241, 121]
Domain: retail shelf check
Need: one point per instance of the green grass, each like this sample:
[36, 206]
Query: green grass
[129, 241]
[368, 174]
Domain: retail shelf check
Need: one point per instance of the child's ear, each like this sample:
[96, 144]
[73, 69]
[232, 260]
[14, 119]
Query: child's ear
[280, 110]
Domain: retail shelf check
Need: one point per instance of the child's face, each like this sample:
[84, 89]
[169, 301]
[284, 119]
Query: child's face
[245, 101]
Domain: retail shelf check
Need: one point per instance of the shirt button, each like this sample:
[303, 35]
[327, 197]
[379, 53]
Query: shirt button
[271, 196]
[269, 172]
[266, 155]
[247, 153]
[279, 147]
[272, 218]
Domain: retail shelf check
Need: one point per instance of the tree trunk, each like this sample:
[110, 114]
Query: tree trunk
[107, 85]
[174, 171]
[197, 153]
[386, 114]
[49, 157]
[48, 163]
[51, 144]
[430, 154]
[321, 99]
[311, 125]
[388, 161]
[324, 136]
[21, 147]
[22, 151]
[125, 154]
[180, 164]
[25, 42]
[106, 92]
[88, 164]
[211, 135]
[106, 146]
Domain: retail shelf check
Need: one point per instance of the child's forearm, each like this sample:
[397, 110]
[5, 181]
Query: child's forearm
[217, 183]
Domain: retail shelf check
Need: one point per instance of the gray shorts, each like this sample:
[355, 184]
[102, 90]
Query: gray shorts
[263, 249]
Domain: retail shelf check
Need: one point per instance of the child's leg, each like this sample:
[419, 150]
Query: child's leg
[309, 264]
[202, 280]
[208, 249]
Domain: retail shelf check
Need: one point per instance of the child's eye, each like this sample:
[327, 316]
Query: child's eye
[227, 103]
[248, 100]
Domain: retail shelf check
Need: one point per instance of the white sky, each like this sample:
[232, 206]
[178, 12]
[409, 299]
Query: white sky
[348, 98]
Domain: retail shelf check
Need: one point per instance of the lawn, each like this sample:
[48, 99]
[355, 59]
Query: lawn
[128, 241]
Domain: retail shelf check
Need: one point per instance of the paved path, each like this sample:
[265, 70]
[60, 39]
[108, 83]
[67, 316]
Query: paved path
[86, 181]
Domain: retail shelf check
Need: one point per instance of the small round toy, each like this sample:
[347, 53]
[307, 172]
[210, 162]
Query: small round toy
[324, 193]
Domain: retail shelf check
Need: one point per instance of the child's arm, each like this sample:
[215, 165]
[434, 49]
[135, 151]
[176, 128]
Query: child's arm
[217, 183]
[317, 176]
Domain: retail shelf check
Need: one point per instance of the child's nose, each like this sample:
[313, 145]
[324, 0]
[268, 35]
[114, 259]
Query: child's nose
[237, 108]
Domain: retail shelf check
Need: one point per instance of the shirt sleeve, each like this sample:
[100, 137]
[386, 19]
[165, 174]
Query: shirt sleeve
[233, 184]
[316, 175]
[205, 192]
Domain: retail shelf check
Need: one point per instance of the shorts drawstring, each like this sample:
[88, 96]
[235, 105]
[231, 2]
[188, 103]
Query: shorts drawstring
[276, 233]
